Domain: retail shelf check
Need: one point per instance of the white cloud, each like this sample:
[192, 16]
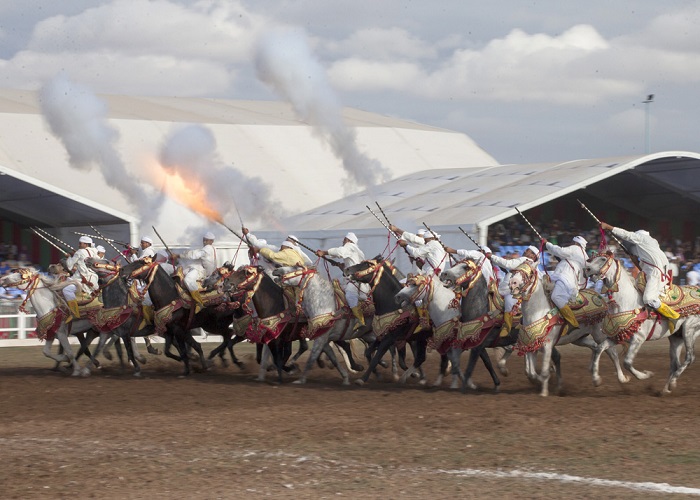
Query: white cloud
[384, 44]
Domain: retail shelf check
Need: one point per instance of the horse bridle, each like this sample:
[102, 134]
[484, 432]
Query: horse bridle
[420, 282]
[471, 276]
[529, 277]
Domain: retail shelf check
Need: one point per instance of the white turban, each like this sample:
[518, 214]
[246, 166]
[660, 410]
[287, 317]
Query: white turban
[208, 235]
[147, 239]
[486, 250]
[534, 250]
[581, 241]
[420, 232]
[428, 234]
[351, 236]
[85, 239]
[288, 244]
[262, 242]
[293, 238]
[100, 248]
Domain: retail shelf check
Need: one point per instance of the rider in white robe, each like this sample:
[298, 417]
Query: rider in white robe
[351, 255]
[653, 263]
[530, 255]
[81, 272]
[200, 263]
[568, 276]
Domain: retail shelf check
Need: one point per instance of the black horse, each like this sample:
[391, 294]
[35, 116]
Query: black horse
[117, 293]
[164, 293]
[384, 284]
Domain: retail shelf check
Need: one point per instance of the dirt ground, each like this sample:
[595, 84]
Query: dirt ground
[219, 434]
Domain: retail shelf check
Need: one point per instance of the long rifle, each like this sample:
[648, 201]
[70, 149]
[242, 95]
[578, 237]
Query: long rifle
[164, 243]
[109, 242]
[56, 238]
[528, 223]
[622, 245]
[50, 242]
[102, 238]
[244, 240]
[330, 261]
[441, 243]
[479, 247]
[387, 226]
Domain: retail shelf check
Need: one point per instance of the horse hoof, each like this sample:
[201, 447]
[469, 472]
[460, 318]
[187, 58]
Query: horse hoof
[359, 382]
[137, 374]
[423, 382]
[107, 355]
[299, 382]
[153, 350]
[504, 371]
[346, 381]
[597, 382]
[240, 365]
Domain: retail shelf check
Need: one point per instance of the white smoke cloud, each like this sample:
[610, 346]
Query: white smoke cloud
[284, 61]
[78, 118]
[191, 152]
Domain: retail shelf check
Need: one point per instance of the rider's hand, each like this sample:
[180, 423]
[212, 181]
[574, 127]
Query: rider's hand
[403, 243]
[245, 230]
[321, 253]
[606, 226]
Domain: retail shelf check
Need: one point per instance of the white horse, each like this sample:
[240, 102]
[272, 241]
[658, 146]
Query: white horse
[42, 293]
[629, 321]
[542, 327]
[319, 305]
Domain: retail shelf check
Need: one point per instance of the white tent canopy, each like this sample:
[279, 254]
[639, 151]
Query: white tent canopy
[263, 139]
[661, 185]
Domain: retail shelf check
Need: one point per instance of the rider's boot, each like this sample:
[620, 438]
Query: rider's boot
[357, 312]
[568, 315]
[423, 319]
[669, 314]
[74, 310]
[199, 305]
[147, 312]
[507, 324]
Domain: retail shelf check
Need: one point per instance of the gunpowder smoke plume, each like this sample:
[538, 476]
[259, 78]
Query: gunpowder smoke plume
[78, 118]
[223, 191]
[284, 61]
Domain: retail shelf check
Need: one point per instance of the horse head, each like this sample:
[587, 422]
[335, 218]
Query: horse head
[219, 278]
[138, 269]
[365, 271]
[20, 278]
[104, 268]
[417, 288]
[461, 274]
[522, 280]
[598, 266]
[291, 275]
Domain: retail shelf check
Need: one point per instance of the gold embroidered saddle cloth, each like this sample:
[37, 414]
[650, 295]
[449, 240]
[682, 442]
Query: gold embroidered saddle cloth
[588, 307]
[685, 300]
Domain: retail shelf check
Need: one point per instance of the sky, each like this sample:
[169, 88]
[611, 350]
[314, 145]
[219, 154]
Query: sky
[529, 81]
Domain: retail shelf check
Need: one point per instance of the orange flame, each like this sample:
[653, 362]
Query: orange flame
[190, 193]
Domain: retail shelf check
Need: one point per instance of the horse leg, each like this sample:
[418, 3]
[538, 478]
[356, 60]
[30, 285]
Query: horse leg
[556, 361]
[454, 355]
[543, 376]
[106, 352]
[419, 358]
[77, 370]
[220, 350]
[150, 348]
[137, 355]
[198, 348]
[338, 366]
[169, 342]
[507, 351]
[58, 358]
[442, 370]
[316, 349]
[634, 345]
[264, 359]
[675, 347]
[345, 350]
[236, 340]
[531, 367]
[381, 349]
[303, 347]
[603, 346]
[402, 357]
[130, 353]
